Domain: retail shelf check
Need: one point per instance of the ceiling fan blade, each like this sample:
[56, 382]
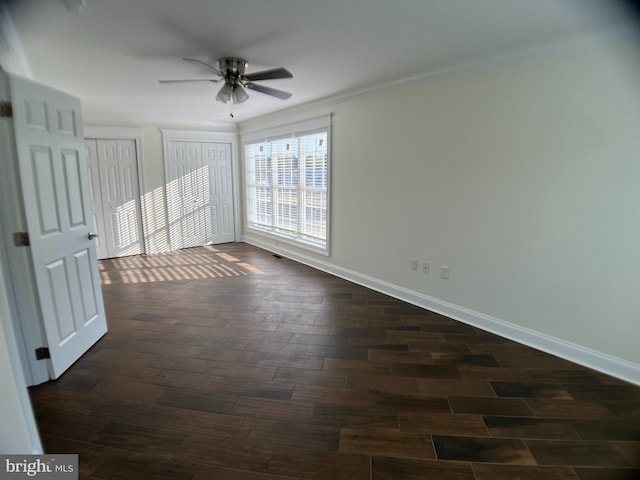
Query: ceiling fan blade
[194, 80]
[202, 64]
[268, 90]
[268, 75]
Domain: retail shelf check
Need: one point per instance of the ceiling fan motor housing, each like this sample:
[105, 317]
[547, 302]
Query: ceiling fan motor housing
[232, 69]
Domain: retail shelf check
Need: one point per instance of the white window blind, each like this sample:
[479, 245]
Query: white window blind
[287, 181]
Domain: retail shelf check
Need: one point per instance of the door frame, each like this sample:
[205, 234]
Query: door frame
[170, 135]
[100, 132]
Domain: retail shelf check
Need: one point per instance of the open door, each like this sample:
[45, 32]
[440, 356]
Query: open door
[50, 149]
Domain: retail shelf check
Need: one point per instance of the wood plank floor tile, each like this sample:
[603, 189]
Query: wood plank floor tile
[530, 427]
[631, 450]
[354, 416]
[608, 473]
[482, 449]
[604, 392]
[573, 409]
[273, 409]
[208, 473]
[210, 424]
[531, 390]
[206, 401]
[410, 401]
[442, 423]
[319, 465]
[298, 435]
[310, 394]
[392, 443]
[70, 425]
[425, 371]
[384, 468]
[568, 452]
[484, 471]
[139, 438]
[375, 381]
[489, 406]
[145, 466]
[607, 429]
[139, 413]
[455, 387]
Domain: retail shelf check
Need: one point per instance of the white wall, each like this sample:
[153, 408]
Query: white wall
[18, 433]
[522, 175]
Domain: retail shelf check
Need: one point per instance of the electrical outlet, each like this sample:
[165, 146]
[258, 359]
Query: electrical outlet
[444, 272]
[414, 264]
[426, 268]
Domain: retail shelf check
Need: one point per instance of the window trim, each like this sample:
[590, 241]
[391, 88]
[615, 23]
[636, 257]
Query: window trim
[295, 129]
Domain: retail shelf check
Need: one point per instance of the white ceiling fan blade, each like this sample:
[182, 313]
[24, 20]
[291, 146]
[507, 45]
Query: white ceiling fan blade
[268, 90]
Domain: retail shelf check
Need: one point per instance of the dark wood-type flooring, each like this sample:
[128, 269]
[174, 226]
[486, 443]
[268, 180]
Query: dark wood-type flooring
[228, 363]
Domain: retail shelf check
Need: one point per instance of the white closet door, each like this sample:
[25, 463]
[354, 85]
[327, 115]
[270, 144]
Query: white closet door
[199, 195]
[217, 159]
[120, 197]
[95, 197]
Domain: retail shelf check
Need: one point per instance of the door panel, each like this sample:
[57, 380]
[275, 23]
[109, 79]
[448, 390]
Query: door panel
[55, 188]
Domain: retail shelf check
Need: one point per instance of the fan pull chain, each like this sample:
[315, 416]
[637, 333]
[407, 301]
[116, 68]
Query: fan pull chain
[231, 107]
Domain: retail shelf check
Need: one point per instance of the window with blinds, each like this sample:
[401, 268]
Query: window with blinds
[287, 186]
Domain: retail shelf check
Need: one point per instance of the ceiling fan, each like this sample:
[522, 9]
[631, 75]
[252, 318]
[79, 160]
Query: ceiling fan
[232, 71]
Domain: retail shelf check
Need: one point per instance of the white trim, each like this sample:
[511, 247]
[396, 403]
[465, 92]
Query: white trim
[588, 357]
[207, 136]
[198, 136]
[109, 132]
[294, 128]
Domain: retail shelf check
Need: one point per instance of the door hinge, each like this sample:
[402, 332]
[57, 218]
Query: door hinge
[21, 239]
[42, 353]
[6, 110]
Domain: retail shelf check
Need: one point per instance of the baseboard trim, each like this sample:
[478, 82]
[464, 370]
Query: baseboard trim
[587, 357]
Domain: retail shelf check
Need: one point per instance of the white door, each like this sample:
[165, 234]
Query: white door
[199, 193]
[120, 197]
[55, 187]
[95, 197]
[217, 161]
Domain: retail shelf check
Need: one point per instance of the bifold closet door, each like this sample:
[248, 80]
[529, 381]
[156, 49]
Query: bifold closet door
[199, 193]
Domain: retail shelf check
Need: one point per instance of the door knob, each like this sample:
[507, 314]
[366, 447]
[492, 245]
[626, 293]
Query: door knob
[92, 235]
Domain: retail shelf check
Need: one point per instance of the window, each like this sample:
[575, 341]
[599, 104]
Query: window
[287, 180]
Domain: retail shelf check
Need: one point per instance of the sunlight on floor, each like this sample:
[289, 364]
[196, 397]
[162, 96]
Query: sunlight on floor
[189, 264]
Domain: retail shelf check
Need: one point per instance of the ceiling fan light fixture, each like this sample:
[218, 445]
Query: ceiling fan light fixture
[224, 95]
[238, 95]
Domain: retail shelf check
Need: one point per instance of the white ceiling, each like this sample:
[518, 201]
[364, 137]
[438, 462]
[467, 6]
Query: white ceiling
[112, 53]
